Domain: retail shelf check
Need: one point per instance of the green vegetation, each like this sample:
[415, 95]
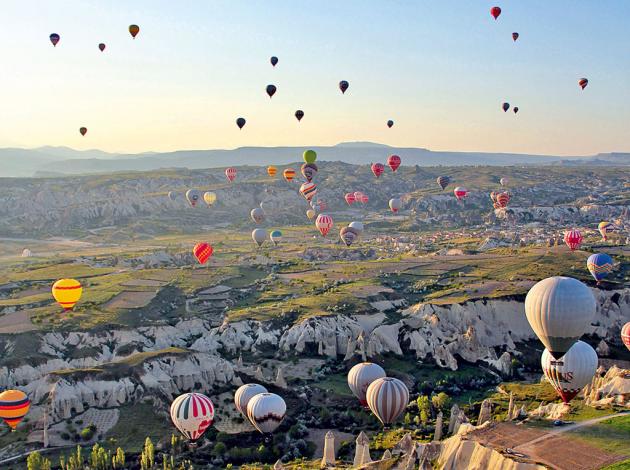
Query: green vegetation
[611, 435]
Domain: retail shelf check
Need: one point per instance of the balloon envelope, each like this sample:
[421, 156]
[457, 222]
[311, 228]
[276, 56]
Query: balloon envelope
[193, 196]
[343, 86]
[289, 174]
[244, 394]
[257, 215]
[625, 335]
[273, 60]
[271, 90]
[495, 12]
[599, 265]
[515, 36]
[573, 239]
[309, 156]
[324, 223]
[192, 414]
[209, 198]
[387, 398]
[67, 292]
[358, 226]
[275, 237]
[505, 106]
[259, 236]
[583, 82]
[308, 190]
[361, 376]
[443, 181]
[101, 47]
[266, 411]
[378, 169]
[240, 122]
[349, 235]
[393, 161]
[299, 114]
[390, 123]
[83, 130]
[572, 371]
[395, 204]
[202, 251]
[134, 29]
[309, 170]
[230, 174]
[54, 39]
[14, 405]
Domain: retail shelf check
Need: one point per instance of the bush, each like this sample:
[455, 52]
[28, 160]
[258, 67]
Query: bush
[88, 432]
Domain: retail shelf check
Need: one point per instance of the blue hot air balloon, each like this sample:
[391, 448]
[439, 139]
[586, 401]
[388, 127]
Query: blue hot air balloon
[599, 265]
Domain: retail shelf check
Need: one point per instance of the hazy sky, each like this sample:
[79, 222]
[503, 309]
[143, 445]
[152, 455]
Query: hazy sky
[439, 69]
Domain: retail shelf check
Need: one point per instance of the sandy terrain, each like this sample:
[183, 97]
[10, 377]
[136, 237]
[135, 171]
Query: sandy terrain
[17, 322]
[130, 299]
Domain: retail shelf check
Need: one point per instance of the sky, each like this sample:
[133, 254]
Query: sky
[439, 69]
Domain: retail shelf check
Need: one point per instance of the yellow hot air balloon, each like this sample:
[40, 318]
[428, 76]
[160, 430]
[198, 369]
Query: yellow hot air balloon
[272, 170]
[67, 292]
[14, 404]
[209, 198]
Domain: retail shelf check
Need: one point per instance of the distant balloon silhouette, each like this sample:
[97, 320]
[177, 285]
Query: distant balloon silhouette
[101, 46]
[495, 12]
[505, 106]
[54, 38]
[134, 29]
[343, 86]
[240, 122]
[583, 82]
[515, 109]
[299, 114]
[271, 90]
[273, 60]
[390, 123]
[83, 130]
[515, 36]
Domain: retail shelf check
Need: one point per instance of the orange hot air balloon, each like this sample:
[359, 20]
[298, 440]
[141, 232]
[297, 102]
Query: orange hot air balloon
[202, 251]
[272, 170]
[14, 404]
[83, 130]
[67, 292]
[134, 29]
[495, 12]
[289, 174]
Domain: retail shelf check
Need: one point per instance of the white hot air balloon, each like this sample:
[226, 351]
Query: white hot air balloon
[266, 411]
[358, 226]
[387, 397]
[244, 394]
[193, 196]
[259, 236]
[257, 215]
[559, 309]
[361, 376]
[572, 371]
[503, 181]
[395, 204]
[192, 414]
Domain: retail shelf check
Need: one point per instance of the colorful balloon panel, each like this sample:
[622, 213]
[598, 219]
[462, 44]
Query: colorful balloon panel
[67, 292]
[192, 414]
[203, 251]
[387, 398]
[14, 405]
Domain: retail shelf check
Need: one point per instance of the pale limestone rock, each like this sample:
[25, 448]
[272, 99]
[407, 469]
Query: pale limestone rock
[439, 424]
[602, 349]
[328, 460]
[280, 381]
[452, 420]
[278, 465]
[362, 450]
[485, 413]
[510, 412]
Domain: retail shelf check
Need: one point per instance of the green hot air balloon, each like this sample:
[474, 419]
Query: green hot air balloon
[309, 156]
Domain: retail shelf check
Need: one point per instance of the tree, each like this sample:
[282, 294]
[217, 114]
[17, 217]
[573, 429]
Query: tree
[118, 460]
[424, 403]
[424, 416]
[35, 461]
[147, 459]
[441, 401]
[99, 458]
[407, 419]
[219, 449]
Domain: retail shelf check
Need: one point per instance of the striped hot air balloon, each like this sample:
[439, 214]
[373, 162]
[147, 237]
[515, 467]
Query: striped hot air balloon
[244, 394]
[289, 174]
[625, 335]
[230, 174]
[393, 161]
[599, 265]
[364, 199]
[502, 199]
[460, 193]
[604, 227]
[378, 169]
[572, 371]
[361, 376]
[308, 190]
[193, 196]
[266, 411]
[14, 405]
[443, 181]
[272, 170]
[203, 251]
[67, 292]
[348, 235]
[324, 223]
[192, 414]
[387, 398]
[573, 239]
[350, 198]
[309, 170]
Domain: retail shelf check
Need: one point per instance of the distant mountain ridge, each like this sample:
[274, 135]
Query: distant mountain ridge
[66, 161]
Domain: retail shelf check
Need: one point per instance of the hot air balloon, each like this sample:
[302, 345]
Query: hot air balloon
[192, 414]
[209, 198]
[572, 371]
[271, 90]
[361, 376]
[625, 335]
[324, 223]
[378, 169]
[14, 405]
[343, 86]
[322, 204]
[515, 109]
[67, 292]
[495, 12]
[272, 170]
[390, 123]
[583, 82]
[503, 181]
[266, 411]
[289, 174]
[573, 239]
[244, 394]
[358, 226]
[257, 215]
[393, 161]
[311, 214]
[273, 60]
[515, 36]
[505, 107]
[299, 114]
[193, 196]
[604, 228]
[395, 204]
[230, 174]
[259, 236]
[502, 200]
[134, 29]
[309, 170]
[460, 193]
[101, 47]
[559, 309]
[275, 237]
[83, 130]
[387, 398]
[350, 198]
[309, 156]
[348, 235]
[308, 190]
[364, 199]
[443, 181]
[172, 195]
[599, 265]
[54, 38]
[202, 251]
[240, 122]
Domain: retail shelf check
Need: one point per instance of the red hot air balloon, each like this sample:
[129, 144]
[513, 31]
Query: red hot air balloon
[240, 122]
[101, 47]
[495, 12]
[393, 161]
[324, 223]
[583, 82]
[299, 114]
[83, 130]
[573, 239]
[378, 169]
[343, 86]
[350, 198]
[202, 251]
[505, 107]
[364, 198]
[271, 90]
[390, 123]
[54, 38]
[515, 36]
[460, 193]
[273, 60]
[502, 199]
[230, 174]
[134, 29]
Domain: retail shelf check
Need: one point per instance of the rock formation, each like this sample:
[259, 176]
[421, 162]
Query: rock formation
[485, 413]
[362, 450]
[439, 423]
[452, 420]
[510, 412]
[328, 460]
